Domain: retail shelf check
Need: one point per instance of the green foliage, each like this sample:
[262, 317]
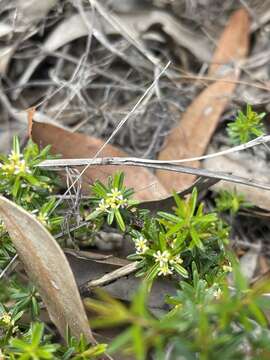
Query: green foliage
[32, 188]
[34, 344]
[111, 201]
[205, 322]
[31, 347]
[168, 244]
[230, 201]
[113, 313]
[28, 186]
[80, 349]
[7, 250]
[246, 126]
[26, 299]
[8, 323]
[20, 179]
[47, 217]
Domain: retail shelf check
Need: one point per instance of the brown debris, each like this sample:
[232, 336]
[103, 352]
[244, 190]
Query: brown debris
[196, 127]
[75, 145]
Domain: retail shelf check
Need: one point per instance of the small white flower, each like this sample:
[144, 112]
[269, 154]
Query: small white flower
[13, 156]
[162, 257]
[176, 260]
[115, 193]
[43, 218]
[164, 270]
[123, 202]
[102, 206]
[141, 245]
[20, 167]
[2, 227]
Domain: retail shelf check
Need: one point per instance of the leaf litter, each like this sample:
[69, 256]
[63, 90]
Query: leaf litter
[90, 96]
[200, 120]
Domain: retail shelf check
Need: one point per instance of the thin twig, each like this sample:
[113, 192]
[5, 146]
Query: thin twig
[112, 276]
[78, 162]
[8, 266]
[155, 165]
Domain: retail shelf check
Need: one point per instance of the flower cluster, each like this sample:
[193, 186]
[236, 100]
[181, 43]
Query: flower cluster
[15, 165]
[21, 179]
[140, 245]
[166, 262]
[43, 218]
[163, 258]
[114, 200]
[217, 293]
[6, 319]
[158, 256]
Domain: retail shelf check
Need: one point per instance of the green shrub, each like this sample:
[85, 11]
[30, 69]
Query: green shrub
[206, 319]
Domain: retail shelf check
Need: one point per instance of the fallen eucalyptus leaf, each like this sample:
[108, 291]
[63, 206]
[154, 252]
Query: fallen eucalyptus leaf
[48, 268]
[75, 145]
[196, 127]
[233, 44]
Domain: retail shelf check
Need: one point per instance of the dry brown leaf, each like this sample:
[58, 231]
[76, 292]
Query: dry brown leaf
[48, 268]
[191, 137]
[233, 44]
[75, 145]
